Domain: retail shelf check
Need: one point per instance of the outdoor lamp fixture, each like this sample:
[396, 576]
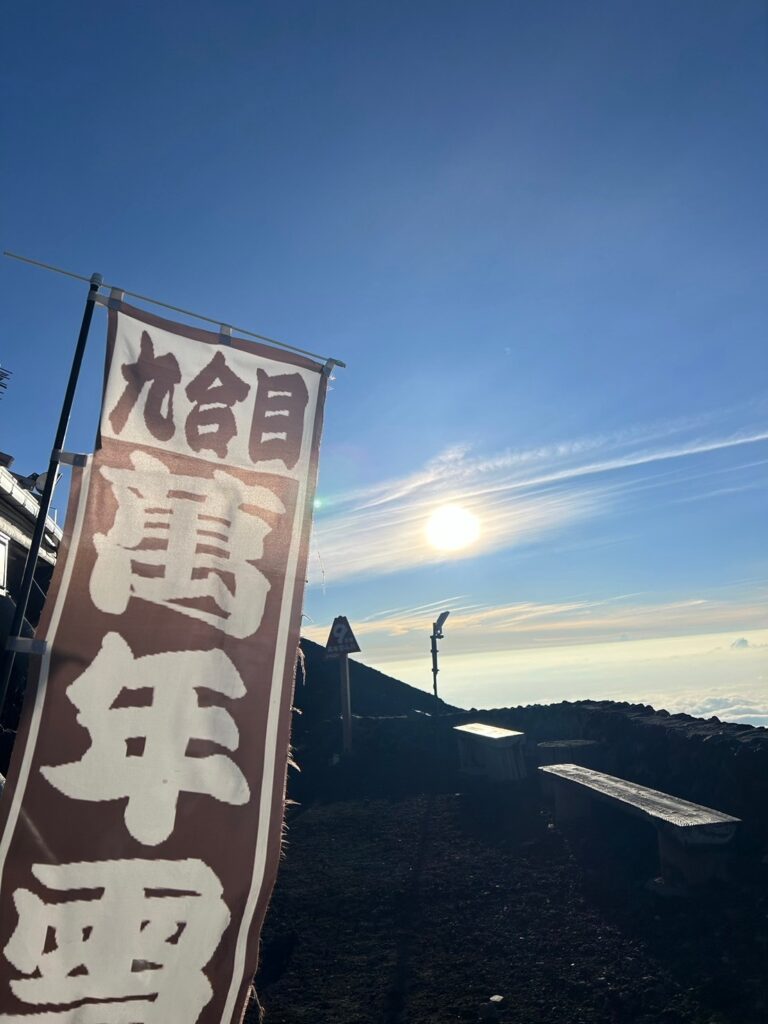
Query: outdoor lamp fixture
[437, 634]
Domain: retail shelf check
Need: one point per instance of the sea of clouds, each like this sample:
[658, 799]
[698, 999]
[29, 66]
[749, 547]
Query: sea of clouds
[705, 675]
[728, 707]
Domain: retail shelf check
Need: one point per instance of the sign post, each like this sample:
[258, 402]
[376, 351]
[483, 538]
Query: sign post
[341, 643]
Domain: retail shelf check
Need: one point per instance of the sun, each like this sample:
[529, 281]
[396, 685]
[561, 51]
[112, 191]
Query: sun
[451, 528]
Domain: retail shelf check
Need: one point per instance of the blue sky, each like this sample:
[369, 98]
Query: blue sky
[536, 233]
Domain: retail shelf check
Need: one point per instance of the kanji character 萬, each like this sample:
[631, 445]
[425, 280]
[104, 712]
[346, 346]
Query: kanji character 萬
[185, 542]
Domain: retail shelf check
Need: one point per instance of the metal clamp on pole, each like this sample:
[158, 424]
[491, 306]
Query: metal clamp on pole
[25, 645]
[71, 458]
[114, 300]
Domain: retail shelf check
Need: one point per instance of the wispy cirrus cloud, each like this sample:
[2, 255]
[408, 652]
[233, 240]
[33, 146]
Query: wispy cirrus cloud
[476, 629]
[520, 496]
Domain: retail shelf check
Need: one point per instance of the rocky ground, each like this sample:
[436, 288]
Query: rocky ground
[419, 909]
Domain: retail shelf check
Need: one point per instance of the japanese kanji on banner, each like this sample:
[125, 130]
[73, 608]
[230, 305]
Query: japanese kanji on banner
[141, 825]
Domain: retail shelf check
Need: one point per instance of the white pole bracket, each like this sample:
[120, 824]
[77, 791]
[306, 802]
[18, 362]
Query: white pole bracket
[26, 645]
[72, 458]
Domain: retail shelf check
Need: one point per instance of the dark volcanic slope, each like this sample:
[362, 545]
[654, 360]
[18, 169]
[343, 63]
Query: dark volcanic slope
[419, 910]
[373, 693]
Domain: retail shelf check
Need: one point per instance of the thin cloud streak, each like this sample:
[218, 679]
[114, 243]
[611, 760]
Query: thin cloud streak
[520, 497]
[454, 462]
[390, 613]
[609, 465]
[526, 625]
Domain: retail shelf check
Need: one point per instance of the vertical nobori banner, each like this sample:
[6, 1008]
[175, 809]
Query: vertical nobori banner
[142, 818]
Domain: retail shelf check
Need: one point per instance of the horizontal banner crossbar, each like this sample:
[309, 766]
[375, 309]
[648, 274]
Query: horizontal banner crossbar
[105, 301]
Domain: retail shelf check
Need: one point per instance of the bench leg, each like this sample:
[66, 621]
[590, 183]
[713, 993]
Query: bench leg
[570, 803]
[689, 864]
[470, 758]
[508, 764]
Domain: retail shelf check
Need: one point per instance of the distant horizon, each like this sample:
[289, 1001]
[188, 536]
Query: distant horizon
[741, 702]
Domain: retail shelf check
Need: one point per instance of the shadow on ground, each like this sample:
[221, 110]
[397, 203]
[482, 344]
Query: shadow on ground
[419, 909]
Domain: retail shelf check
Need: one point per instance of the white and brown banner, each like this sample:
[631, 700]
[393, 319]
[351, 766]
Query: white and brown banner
[141, 824]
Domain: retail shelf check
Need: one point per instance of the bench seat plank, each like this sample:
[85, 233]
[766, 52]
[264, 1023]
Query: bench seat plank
[649, 803]
[490, 732]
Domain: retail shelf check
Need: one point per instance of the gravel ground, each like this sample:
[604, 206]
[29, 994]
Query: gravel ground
[419, 910]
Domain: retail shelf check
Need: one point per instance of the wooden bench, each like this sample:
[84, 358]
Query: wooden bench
[491, 751]
[692, 839]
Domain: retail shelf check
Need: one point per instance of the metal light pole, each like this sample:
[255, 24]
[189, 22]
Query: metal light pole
[437, 634]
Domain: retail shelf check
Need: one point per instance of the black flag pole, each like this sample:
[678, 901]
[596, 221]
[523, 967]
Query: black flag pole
[45, 500]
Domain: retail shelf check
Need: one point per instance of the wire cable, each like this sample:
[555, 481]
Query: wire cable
[176, 309]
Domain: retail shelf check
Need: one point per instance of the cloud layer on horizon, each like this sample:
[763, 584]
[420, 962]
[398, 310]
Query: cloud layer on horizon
[700, 674]
[728, 707]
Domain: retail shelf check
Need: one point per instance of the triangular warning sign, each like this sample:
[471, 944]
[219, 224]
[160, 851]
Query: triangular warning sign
[341, 639]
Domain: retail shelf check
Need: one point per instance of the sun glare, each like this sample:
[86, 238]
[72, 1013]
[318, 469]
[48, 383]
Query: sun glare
[451, 528]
